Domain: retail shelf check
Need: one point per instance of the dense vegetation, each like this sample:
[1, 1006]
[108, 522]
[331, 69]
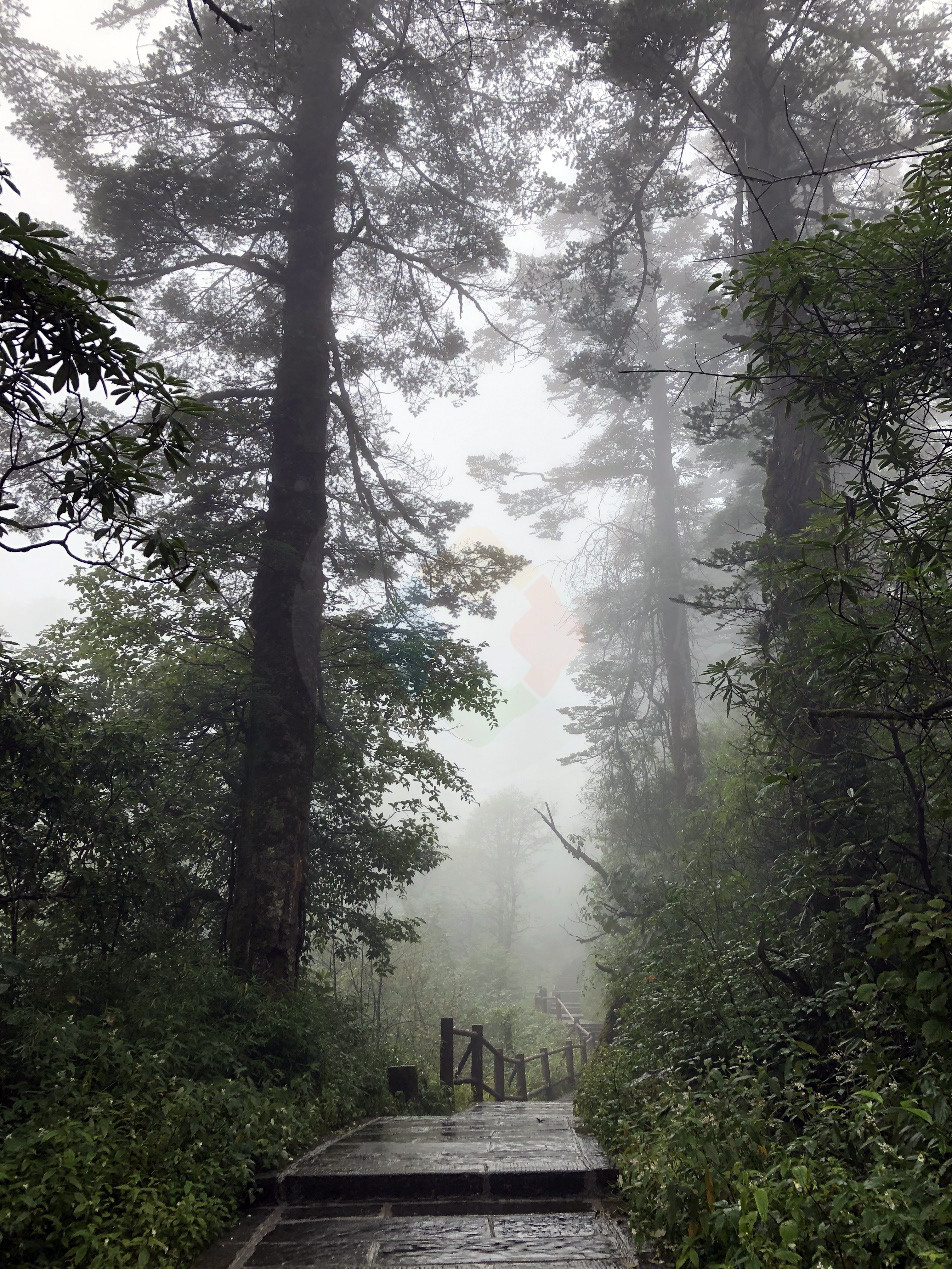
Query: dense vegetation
[125, 782]
[133, 1130]
[221, 772]
[779, 1084]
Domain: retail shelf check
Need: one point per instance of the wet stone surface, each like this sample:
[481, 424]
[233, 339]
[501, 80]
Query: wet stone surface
[444, 1240]
[517, 1149]
[511, 1184]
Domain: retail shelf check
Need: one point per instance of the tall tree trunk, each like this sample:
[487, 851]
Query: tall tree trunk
[675, 636]
[267, 920]
[766, 152]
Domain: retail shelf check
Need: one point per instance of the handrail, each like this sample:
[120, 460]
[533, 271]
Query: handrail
[452, 1074]
[468, 1035]
[562, 1012]
[574, 1022]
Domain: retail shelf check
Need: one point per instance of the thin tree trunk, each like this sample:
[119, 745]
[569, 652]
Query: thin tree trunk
[675, 635]
[267, 919]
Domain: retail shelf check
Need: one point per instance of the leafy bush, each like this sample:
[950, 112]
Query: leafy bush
[735, 1167]
[131, 1138]
[778, 1087]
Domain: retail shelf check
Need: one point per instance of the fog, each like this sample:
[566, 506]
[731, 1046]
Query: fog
[530, 644]
[474, 523]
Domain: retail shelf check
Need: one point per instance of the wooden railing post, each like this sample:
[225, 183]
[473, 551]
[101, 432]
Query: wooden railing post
[584, 1053]
[499, 1076]
[570, 1061]
[476, 1064]
[447, 1071]
[546, 1075]
[522, 1089]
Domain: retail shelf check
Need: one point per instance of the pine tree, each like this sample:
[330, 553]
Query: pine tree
[297, 204]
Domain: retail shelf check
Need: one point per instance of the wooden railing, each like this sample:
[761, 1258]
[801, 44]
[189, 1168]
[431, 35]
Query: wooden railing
[554, 1004]
[501, 1088]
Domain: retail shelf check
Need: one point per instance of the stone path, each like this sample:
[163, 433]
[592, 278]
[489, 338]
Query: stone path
[510, 1184]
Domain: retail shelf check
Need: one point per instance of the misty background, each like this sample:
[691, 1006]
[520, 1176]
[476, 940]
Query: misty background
[522, 754]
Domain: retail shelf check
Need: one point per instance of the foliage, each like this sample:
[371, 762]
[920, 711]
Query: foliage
[205, 259]
[636, 220]
[106, 845]
[133, 1131]
[71, 465]
[853, 699]
[121, 766]
[777, 1089]
[849, 323]
[779, 1084]
[415, 219]
[118, 781]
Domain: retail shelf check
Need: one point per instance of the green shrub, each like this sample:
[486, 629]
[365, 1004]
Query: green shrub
[728, 1169]
[762, 1121]
[131, 1138]
[778, 1087]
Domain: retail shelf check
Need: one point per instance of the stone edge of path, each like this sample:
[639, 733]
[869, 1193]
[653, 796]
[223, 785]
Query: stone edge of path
[267, 1185]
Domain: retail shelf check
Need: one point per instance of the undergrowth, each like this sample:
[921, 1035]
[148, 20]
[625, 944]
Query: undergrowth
[778, 1086]
[132, 1136]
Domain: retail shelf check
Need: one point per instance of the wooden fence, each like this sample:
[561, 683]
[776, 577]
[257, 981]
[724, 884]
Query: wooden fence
[510, 1075]
[566, 1006]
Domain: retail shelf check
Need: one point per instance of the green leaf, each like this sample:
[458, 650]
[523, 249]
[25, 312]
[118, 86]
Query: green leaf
[869, 1094]
[935, 1031]
[761, 1199]
[913, 1109]
[929, 980]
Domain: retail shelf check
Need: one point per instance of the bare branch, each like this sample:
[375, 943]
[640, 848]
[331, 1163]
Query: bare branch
[220, 16]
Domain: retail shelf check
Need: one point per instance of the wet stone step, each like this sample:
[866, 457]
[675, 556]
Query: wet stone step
[441, 1207]
[561, 1239]
[511, 1150]
[508, 1184]
[513, 1179]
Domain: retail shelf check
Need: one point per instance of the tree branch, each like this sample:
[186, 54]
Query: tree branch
[937, 708]
[220, 16]
[791, 978]
[575, 849]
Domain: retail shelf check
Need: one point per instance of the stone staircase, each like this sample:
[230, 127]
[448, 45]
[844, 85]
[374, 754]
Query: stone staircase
[565, 1003]
[504, 1184]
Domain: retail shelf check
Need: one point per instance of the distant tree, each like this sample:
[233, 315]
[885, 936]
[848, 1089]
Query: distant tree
[793, 115]
[625, 479]
[501, 837]
[798, 110]
[642, 494]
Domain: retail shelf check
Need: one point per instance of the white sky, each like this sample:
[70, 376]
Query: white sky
[530, 638]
